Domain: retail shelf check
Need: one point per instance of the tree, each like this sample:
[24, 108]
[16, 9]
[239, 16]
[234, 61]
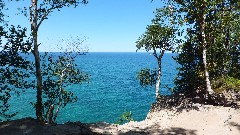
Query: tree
[2, 5]
[13, 67]
[196, 14]
[227, 18]
[38, 13]
[60, 71]
[159, 38]
[14, 44]
[203, 41]
[212, 24]
[190, 75]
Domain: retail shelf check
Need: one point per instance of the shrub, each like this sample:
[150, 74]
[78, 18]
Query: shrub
[226, 83]
[125, 117]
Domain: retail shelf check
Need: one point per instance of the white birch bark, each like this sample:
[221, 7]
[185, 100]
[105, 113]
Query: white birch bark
[208, 83]
[158, 82]
[159, 71]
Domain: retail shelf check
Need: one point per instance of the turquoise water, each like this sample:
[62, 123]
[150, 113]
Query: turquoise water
[113, 88]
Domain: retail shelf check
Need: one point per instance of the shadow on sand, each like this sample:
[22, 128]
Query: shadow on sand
[30, 126]
[159, 131]
[234, 124]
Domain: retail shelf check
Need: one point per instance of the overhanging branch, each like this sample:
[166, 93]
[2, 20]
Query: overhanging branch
[48, 11]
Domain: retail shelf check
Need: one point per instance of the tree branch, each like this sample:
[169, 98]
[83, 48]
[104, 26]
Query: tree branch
[155, 53]
[31, 15]
[48, 11]
[162, 53]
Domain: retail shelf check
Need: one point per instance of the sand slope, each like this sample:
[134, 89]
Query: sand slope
[208, 120]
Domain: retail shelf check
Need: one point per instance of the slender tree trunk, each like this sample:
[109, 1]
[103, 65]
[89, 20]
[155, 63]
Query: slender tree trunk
[159, 71]
[60, 94]
[204, 42]
[63, 73]
[34, 21]
[158, 79]
[208, 84]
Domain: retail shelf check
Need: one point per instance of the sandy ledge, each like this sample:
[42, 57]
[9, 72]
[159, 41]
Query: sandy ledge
[208, 120]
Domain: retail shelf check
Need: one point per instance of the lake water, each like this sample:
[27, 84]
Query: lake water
[112, 90]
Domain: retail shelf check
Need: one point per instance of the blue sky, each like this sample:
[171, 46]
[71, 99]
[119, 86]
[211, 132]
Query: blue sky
[108, 25]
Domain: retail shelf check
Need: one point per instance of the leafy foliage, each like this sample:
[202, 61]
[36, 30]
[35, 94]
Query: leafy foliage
[222, 42]
[59, 71]
[13, 66]
[159, 37]
[38, 12]
[190, 71]
[125, 117]
[156, 37]
[2, 5]
[226, 83]
[147, 77]
[46, 7]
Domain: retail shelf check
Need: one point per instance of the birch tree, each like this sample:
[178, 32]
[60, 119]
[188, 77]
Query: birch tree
[202, 17]
[214, 28]
[159, 38]
[38, 12]
[60, 71]
[196, 13]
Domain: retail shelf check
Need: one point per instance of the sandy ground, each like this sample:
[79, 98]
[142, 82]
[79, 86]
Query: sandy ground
[209, 120]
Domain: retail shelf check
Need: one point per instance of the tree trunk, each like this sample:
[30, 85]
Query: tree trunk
[159, 71]
[34, 21]
[208, 84]
[60, 94]
[63, 73]
[158, 79]
[204, 42]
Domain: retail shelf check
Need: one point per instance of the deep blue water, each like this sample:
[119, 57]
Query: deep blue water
[113, 88]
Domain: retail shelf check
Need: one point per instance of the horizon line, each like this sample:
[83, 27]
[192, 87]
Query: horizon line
[101, 52]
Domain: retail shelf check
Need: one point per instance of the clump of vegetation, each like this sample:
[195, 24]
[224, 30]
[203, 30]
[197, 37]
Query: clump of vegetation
[125, 117]
[226, 83]
[147, 77]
